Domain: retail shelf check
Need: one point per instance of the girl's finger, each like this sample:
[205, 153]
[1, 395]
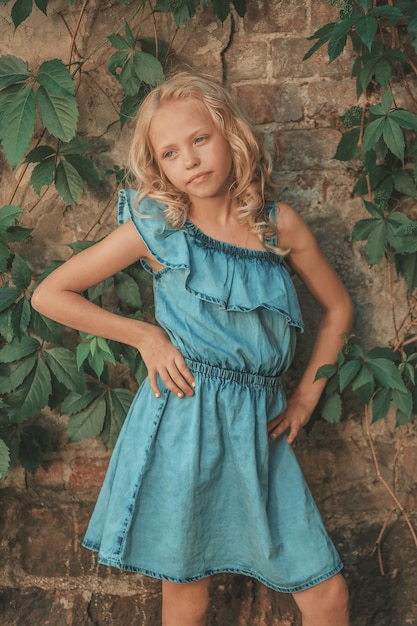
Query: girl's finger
[153, 384]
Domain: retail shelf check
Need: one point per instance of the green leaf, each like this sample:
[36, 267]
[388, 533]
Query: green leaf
[39, 154]
[363, 385]
[43, 174]
[373, 132]
[42, 5]
[130, 105]
[77, 145]
[405, 119]
[394, 138]
[13, 374]
[20, 11]
[402, 418]
[18, 349]
[403, 401]
[75, 402]
[21, 316]
[21, 274]
[129, 35]
[118, 42]
[87, 423]
[381, 352]
[45, 328]
[85, 167]
[8, 295]
[332, 408]
[98, 290]
[4, 256]
[35, 441]
[82, 353]
[116, 62]
[8, 215]
[127, 290]
[32, 395]
[148, 69]
[348, 148]
[18, 233]
[55, 79]
[366, 29]
[383, 72]
[59, 113]
[17, 122]
[4, 460]
[407, 265]
[13, 70]
[326, 371]
[118, 404]
[377, 242]
[381, 403]
[363, 228]
[386, 372]
[63, 365]
[68, 182]
[404, 183]
[6, 331]
[348, 372]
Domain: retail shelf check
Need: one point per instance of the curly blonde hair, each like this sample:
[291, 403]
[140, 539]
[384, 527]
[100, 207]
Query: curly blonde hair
[252, 166]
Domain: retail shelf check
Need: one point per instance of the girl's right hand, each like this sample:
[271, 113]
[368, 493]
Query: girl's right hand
[162, 358]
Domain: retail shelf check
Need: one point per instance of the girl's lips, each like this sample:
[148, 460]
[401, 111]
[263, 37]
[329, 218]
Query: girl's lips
[197, 177]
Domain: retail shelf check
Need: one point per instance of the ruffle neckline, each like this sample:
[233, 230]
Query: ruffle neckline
[214, 271]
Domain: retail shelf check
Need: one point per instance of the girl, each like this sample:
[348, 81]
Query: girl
[203, 479]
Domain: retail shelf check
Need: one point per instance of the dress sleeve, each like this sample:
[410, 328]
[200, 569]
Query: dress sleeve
[167, 245]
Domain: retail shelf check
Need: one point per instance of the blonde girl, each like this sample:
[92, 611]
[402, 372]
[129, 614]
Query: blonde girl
[203, 478]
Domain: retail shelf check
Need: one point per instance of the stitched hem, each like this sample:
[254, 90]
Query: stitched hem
[246, 571]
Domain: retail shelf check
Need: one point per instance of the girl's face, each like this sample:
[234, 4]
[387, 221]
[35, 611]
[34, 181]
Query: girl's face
[192, 153]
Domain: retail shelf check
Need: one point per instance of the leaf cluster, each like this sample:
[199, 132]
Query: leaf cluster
[383, 377]
[37, 369]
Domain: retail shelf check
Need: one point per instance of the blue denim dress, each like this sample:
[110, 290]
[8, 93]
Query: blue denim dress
[195, 486]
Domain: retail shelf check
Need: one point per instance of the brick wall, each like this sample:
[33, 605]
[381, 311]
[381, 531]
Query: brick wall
[47, 578]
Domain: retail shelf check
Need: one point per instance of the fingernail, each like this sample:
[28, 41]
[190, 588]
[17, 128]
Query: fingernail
[193, 384]
[157, 395]
[179, 394]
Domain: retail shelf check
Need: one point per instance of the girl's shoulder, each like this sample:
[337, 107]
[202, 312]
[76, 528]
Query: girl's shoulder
[291, 228]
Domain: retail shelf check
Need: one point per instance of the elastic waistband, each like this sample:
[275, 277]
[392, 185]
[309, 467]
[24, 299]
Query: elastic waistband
[243, 378]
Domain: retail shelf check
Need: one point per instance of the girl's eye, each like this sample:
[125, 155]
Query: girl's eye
[200, 139]
[168, 154]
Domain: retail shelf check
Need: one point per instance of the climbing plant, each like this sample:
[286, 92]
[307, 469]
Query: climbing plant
[88, 378]
[379, 139]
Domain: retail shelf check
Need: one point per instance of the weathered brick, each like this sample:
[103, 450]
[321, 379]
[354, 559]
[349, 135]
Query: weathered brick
[51, 473]
[276, 17]
[326, 100]
[271, 103]
[307, 149]
[322, 13]
[287, 60]
[88, 474]
[243, 62]
[50, 539]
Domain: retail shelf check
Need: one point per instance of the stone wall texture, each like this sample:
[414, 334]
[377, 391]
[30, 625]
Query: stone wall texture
[46, 577]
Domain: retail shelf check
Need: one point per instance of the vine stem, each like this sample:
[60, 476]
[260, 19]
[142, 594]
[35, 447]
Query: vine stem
[97, 220]
[382, 480]
[391, 300]
[24, 170]
[76, 29]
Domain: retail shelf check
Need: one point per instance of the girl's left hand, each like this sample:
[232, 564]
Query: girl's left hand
[294, 418]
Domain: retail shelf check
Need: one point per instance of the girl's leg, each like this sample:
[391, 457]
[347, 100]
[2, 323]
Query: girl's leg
[185, 604]
[325, 604]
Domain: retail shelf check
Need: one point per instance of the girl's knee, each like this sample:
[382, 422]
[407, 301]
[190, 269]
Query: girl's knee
[185, 603]
[330, 597]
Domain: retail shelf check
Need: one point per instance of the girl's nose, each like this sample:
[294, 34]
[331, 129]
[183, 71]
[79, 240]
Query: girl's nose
[192, 160]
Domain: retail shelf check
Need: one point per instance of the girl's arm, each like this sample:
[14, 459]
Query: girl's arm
[314, 269]
[58, 297]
